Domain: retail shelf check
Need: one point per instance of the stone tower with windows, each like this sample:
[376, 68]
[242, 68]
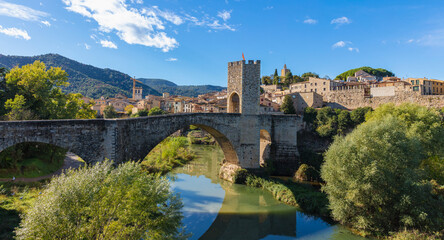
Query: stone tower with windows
[243, 89]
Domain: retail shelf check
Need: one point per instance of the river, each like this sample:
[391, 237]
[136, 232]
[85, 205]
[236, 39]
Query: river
[215, 209]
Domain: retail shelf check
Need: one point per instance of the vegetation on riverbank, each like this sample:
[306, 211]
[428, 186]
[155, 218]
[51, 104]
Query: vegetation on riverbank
[170, 153]
[104, 202]
[30, 160]
[379, 178]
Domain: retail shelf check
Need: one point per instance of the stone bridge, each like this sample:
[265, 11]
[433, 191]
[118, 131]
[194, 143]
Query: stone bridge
[244, 139]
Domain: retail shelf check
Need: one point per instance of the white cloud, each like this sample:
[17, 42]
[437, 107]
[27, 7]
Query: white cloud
[268, 8]
[410, 40]
[15, 32]
[353, 49]
[339, 44]
[108, 44]
[87, 47]
[131, 25]
[310, 21]
[46, 23]
[167, 15]
[225, 15]
[20, 11]
[340, 21]
[171, 59]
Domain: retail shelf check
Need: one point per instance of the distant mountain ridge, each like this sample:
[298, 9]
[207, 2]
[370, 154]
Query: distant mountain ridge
[162, 85]
[88, 80]
[95, 82]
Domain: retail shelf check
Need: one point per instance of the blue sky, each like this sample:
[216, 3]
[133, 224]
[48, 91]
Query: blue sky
[190, 42]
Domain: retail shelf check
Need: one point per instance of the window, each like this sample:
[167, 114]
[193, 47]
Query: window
[324, 83]
[416, 88]
[316, 84]
[413, 82]
[417, 82]
[316, 90]
[324, 89]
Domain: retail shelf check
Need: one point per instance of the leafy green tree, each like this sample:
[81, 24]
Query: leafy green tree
[373, 181]
[275, 73]
[297, 79]
[156, 111]
[358, 115]
[326, 122]
[35, 92]
[110, 112]
[307, 75]
[287, 106]
[310, 115]
[276, 80]
[129, 109]
[288, 78]
[266, 80]
[102, 202]
[3, 90]
[344, 122]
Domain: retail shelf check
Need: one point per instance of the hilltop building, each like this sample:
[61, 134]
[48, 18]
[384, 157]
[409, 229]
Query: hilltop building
[284, 71]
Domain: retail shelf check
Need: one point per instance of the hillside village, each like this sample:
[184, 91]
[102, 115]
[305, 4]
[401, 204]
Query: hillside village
[360, 90]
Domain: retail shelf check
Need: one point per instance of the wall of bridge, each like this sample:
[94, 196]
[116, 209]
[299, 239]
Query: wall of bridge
[132, 139]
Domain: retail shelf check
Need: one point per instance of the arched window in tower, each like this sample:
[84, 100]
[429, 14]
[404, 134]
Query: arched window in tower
[234, 105]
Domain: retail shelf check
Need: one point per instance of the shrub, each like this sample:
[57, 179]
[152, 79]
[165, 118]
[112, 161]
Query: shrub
[306, 173]
[102, 202]
[374, 183]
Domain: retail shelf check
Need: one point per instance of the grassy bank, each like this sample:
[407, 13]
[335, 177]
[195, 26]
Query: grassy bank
[170, 153]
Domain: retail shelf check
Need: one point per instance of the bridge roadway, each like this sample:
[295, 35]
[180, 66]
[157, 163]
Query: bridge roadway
[121, 140]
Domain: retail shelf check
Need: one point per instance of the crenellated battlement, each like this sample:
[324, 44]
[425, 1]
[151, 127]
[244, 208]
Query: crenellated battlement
[243, 62]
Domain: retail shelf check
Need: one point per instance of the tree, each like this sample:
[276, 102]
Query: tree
[35, 92]
[102, 202]
[374, 183]
[3, 90]
[358, 115]
[156, 111]
[307, 75]
[287, 106]
[310, 115]
[276, 80]
[297, 79]
[275, 73]
[110, 112]
[288, 78]
[266, 80]
[344, 122]
[129, 109]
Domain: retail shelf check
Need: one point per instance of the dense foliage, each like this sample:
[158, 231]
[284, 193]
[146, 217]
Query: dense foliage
[287, 106]
[85, 79]
[110, 112]
[328, 122]
[378, 72]
[34, 92]
[102, 202]
[374, 178]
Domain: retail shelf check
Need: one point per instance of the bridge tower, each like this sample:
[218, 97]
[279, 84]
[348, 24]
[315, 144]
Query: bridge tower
[243, 88]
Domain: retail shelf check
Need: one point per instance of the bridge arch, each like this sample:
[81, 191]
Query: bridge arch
[152, 130]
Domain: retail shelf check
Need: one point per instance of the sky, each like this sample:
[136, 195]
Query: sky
[190, 42]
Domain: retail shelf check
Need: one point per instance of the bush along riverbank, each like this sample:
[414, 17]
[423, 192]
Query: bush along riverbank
[170, 153]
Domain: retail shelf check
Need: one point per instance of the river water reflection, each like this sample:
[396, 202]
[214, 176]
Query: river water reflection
[215, 209]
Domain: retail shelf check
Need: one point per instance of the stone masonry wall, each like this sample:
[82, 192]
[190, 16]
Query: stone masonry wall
[354, 98]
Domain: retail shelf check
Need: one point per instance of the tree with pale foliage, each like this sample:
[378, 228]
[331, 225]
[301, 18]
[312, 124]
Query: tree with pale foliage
[35, 93]
[102, 202]
[374, 176]
[129, 109]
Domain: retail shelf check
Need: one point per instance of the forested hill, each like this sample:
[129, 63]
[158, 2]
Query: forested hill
[378, 72]
[162, 85]
[88, 80]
